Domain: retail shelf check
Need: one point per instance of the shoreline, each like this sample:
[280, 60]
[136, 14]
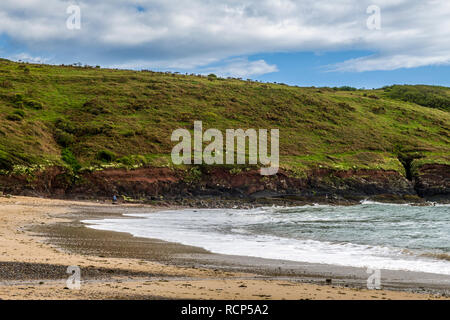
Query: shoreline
[48, 235]
[356, 277]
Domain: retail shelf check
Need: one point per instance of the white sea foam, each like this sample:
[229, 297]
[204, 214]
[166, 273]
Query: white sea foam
[369, 235]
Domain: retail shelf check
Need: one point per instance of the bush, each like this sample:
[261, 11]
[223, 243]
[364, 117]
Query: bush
[19, 101]
[20, 113]
[346, 106]
[133, 160]
[68, 157]
[212, 77]
[427, 96]
[13, 117]
[379, 110]
[62, 138]
[65, 125]
[106, 156]
[5, 161]
[33, 104]
[126, 161]
[345, 88]
[128, 133]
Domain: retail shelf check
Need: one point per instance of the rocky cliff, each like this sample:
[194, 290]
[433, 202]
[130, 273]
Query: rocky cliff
[151, 183]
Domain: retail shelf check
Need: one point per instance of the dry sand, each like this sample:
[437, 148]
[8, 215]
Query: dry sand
[118, 266]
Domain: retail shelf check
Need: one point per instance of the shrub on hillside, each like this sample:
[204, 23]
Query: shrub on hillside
[20, 101]
[379, 110]
[133, 160]
[345, 88]
[106, 156]
[62, 138]
[346, 106]
[20, 113]
[17, 100]
[128, 133]
[5, 162]
[65, 125]
[431, 97]
[212, 77]
[68, 157]
[13, 117]
[33, 104]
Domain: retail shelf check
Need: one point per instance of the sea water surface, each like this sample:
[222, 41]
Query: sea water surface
[384, 236]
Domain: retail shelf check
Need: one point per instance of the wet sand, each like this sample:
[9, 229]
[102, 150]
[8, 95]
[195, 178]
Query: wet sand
[41, 237]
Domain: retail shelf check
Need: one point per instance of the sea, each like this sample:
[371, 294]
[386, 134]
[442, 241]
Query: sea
[368, 235]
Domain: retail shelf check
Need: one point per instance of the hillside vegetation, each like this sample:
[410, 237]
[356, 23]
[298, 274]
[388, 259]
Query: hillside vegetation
[427, 96]
[83, 117]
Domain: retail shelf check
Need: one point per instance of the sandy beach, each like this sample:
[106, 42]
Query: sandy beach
[40, 238]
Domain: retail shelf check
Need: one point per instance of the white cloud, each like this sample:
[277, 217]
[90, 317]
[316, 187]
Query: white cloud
[242, 68]
[390, 62]
[195, 33]
[28, 58]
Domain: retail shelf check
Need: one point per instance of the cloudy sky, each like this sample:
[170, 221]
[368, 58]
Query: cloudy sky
[302, 42]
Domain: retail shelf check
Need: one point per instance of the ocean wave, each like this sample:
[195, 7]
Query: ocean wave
[384, 237]
[370, 202]
[438, 256]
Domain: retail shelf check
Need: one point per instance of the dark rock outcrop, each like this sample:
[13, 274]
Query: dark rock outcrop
[432, 181]
[156, 183]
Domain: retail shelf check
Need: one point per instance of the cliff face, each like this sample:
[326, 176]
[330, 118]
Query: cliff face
[156, 183]
[433, 181]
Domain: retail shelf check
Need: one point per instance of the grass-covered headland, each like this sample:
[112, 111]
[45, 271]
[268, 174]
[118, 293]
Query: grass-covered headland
[83, 120]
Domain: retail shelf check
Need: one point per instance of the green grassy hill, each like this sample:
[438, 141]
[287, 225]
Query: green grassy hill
[83, 117]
